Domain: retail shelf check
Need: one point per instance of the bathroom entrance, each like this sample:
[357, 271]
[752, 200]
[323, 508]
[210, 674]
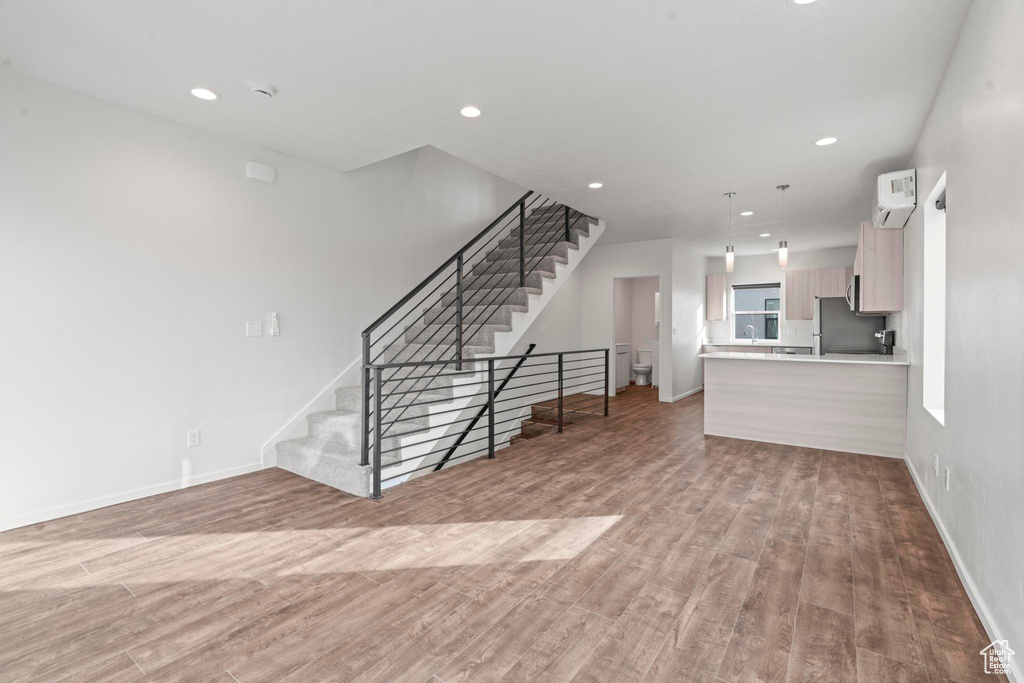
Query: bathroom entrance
[636, 312]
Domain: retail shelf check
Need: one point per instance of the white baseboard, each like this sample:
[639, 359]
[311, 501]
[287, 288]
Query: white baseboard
[691, 392]
[123, 497]
[991, 629]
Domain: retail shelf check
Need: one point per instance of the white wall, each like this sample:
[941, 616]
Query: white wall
[642, 328]
[765, 268]
[624, 311]
[603, 264]
[689, 326]
[134, 250]
[975, 133]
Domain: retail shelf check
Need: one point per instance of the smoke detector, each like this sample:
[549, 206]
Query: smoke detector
[262, 90]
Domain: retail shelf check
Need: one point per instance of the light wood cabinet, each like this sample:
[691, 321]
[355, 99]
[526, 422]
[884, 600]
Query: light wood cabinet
[830, 282]
[715, 303]
[800, 294]
[803, 285]
[879, 265]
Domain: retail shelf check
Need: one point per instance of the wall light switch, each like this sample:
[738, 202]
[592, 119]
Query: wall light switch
[254, 328]
[936, 463]
[275, 324]
[193, 438]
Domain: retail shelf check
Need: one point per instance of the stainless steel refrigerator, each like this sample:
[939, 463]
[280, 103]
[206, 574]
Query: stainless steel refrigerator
[837, 329]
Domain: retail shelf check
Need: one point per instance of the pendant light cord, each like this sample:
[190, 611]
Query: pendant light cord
[783, 215]
[730, 219]
[730, 196]
[783, 188]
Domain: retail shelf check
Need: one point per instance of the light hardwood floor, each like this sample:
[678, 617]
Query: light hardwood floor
[628, 549]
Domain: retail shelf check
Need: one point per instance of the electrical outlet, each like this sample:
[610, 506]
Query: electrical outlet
[254, 328]
[543, 330]
[275, 325]
[947, 479]
[792, 331]
[936, 464]
[193, 438]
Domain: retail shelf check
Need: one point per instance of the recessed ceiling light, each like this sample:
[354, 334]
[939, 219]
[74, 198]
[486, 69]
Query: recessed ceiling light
[802, 2]
[595, 186]
[826, 141]
[746, 213]
[765, 234]
[204, 94]
[470, 112]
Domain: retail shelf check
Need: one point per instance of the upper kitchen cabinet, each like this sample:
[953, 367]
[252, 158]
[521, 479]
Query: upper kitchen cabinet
[803, 285]
[879, 265]
[714, 305]
[800, 294]
[832, 281]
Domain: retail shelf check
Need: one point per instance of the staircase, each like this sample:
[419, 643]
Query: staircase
[475, 306]
[544, 420]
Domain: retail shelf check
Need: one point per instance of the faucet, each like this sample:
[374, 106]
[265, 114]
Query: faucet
[753, 333]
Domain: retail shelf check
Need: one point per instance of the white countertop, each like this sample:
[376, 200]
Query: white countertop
[759, 342]
[898, 358]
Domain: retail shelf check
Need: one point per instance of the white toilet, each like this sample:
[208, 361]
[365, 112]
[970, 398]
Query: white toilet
[642, 368]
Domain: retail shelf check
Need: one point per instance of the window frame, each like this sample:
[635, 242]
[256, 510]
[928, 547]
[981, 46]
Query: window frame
[934, 309]
[767, 312]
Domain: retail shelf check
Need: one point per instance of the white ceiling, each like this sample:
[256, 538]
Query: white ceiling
[669, 104]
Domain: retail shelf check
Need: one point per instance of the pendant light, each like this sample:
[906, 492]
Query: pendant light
[783, 245]
[730, 254]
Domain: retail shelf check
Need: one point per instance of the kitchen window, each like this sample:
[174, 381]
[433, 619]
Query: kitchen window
[756, 305]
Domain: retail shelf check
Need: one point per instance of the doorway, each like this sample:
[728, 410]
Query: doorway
[636, 321]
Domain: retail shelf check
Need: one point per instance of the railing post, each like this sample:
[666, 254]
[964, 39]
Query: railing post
[522, 244]
[606, 387]
[490, 408]
[364, 455]
[560, 389]
[458, 314]
[568, 237]
[376, 440]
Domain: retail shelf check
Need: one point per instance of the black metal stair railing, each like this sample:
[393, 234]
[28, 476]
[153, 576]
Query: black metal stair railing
[563, 383]
[499, 265]
[492, 393]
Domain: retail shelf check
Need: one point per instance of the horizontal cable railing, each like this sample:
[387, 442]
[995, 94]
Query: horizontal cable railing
[549, 390]
[455, 313]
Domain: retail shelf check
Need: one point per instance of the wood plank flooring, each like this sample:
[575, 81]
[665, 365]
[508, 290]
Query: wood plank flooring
[631, 549]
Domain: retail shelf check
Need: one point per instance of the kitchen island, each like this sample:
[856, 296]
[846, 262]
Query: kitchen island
[840, 402]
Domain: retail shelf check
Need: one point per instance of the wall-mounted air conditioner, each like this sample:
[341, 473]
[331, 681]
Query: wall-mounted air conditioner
[895, 199]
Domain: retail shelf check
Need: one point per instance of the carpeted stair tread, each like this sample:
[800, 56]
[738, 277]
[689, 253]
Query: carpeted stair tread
[329, 463]
[501, 314]
[560, 249]
[511, 265]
